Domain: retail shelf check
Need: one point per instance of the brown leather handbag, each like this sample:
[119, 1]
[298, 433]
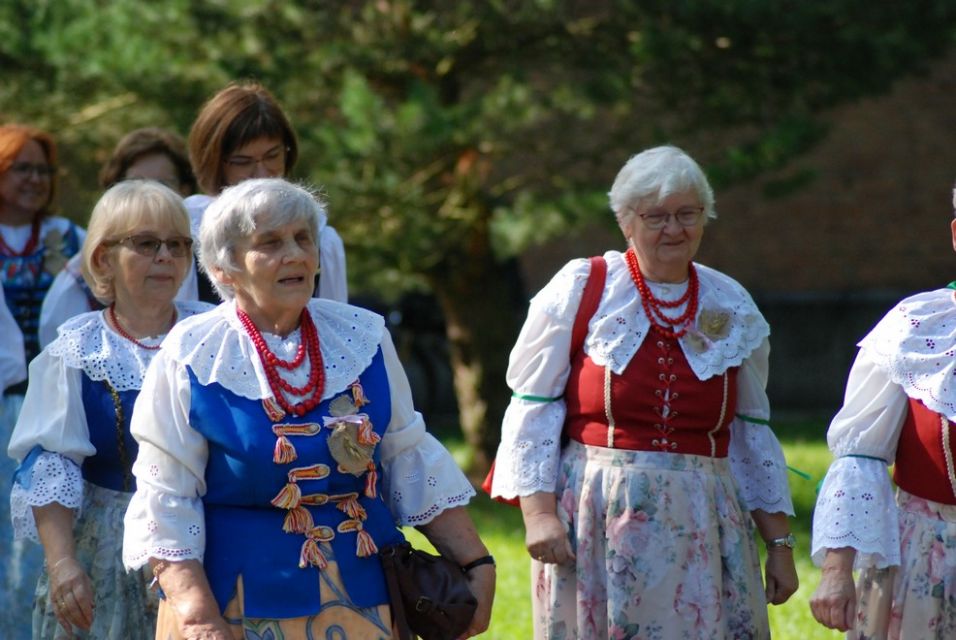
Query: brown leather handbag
[429, 594]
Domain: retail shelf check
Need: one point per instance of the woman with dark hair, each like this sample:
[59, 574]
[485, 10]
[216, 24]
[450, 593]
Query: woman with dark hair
[34, 246]
[144, 154]
[241, 133]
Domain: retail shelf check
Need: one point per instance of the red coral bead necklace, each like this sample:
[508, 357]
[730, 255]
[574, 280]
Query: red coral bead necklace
[653, 306]
[314, 387]
[126, 334]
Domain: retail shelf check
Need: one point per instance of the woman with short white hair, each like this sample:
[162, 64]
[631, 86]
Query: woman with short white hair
[287, 420]
[72, 438]
[637, 439]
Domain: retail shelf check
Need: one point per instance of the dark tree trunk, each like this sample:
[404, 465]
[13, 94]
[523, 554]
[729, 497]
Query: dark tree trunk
[484, 305]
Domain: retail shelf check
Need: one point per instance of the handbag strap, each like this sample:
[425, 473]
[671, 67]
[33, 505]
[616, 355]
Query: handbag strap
[590, 300]
[394, 591]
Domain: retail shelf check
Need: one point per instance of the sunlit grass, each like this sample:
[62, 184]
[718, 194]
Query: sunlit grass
[502, 530]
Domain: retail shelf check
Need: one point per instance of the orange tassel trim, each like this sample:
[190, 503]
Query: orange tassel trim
[371, 479]
[289, 497]
[349, 504]
[297, 520]
[284, 452]
[272, 409]
[365, 546]
[365, 433]
[311, 554]
[358, 395]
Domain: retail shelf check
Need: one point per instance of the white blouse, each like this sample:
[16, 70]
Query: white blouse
[729, 331]
[13, 366]
[165, 517]
[53, 417]
[908, 354]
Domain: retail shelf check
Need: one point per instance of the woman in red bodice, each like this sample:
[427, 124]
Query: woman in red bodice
[638, 441]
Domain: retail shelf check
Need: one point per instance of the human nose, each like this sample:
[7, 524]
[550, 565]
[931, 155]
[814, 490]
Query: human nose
[260, 170]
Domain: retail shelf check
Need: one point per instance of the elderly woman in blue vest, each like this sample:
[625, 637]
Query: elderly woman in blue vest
[72, 438]
[279, 447]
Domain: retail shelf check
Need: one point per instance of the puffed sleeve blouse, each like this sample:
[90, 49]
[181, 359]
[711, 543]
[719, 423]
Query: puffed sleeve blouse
[538, 369]
[908, 354]
[165, 517]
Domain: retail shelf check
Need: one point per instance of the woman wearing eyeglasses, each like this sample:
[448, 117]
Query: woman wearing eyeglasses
[72, 439]
[34, 246]
[241, 133]
[637, 439]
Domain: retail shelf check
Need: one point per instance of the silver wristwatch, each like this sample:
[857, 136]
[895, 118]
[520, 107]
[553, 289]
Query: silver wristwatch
[789, 541]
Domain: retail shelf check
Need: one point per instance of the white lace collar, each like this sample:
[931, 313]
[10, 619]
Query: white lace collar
[216, 348]
[86, 342]
[915, 344]
[727, 329]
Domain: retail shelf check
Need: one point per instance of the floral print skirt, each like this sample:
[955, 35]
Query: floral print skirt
[337, 618]
[663, 551]
[917, 600]
[125, 609]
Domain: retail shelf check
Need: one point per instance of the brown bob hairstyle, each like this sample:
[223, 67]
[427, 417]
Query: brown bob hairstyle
[12, 139]
[144, 142]
[234, 117]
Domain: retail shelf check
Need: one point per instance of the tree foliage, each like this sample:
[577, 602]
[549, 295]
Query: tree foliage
[449, 136]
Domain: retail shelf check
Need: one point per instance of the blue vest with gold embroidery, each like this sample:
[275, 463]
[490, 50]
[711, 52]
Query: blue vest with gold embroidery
[324, 513]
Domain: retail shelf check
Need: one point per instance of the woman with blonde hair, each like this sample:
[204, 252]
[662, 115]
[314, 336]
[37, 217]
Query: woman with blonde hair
[72, 439]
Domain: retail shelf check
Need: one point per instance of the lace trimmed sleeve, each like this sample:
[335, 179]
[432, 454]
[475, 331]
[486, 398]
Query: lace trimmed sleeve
[165, 516]
[419, 476]
[756, 457]
[856, 506]
[527, 459]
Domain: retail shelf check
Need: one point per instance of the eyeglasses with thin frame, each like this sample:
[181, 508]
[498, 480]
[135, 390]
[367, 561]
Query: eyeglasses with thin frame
[273, 160]
[148, 246]
[26, 169]
[685, 216]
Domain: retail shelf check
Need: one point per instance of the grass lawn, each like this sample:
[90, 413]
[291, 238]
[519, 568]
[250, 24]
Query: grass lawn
[502, 530]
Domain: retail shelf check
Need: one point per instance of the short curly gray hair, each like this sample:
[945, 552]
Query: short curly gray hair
[252, 205]
[651, 176]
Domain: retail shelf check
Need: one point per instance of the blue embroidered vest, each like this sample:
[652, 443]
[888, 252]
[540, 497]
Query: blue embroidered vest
[244, 530]
[110, 466]
[25, 283]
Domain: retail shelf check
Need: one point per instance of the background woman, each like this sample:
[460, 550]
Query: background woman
[72, 439]
[242, 133]
[34, 246]
[289, 419]
[638, 525]
[899, 408]
[143, 154]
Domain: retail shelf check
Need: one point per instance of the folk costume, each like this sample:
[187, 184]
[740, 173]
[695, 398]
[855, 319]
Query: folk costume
[30, 256]
[285, 496]
[655, 440]
[74, 447]
[899, 408]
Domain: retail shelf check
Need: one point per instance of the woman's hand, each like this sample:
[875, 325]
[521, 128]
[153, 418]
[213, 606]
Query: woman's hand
[71, 593]
[834, 602]
[190, 597]
[481, 580]
[545, 536]
[454, 536]
[782, 581]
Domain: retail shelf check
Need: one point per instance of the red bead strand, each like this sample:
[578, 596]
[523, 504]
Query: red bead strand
[660, 322]
[123, 332]
[309, 344]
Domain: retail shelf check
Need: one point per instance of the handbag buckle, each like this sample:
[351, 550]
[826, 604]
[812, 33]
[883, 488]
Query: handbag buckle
[423, 604]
